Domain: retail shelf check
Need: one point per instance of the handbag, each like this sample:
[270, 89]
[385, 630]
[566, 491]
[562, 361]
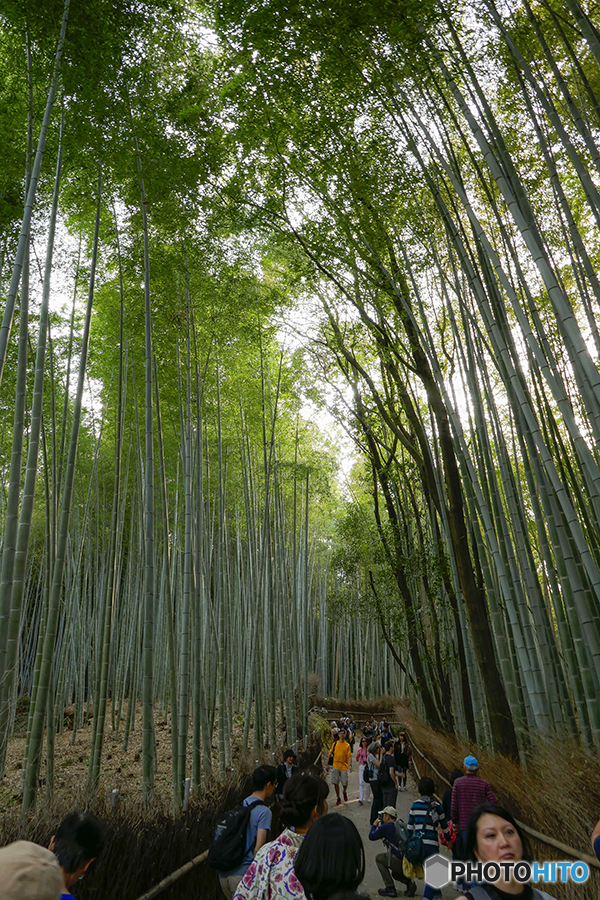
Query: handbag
[411, 871]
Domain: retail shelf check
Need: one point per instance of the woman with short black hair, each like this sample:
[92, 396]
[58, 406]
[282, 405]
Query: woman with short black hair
[331, 859]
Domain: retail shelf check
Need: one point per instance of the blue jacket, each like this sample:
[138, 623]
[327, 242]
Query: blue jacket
[386, 833]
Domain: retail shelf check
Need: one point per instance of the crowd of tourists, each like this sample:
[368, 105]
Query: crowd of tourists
[319, 855]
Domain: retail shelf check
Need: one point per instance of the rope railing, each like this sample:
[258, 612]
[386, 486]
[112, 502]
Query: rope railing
[537, 835]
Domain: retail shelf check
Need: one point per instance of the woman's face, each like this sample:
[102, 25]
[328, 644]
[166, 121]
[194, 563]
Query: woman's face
[364, 743]
[497, 840]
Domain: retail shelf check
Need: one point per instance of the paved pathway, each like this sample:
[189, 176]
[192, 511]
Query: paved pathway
[360, 816]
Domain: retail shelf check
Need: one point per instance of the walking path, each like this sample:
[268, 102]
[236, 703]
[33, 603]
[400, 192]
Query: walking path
[360, 816]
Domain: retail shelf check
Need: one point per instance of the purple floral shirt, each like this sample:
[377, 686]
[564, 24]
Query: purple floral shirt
[271, 876]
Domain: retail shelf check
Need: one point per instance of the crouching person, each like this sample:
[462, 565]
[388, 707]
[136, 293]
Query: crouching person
[390, 862]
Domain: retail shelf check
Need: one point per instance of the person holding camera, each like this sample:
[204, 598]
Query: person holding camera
[390, 863]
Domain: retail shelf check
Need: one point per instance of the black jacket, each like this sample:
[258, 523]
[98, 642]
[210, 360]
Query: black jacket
[282, 777]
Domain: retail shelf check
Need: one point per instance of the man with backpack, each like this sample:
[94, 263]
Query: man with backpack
[392, 831]
[386, 776]
[242, 831]
[340, 760]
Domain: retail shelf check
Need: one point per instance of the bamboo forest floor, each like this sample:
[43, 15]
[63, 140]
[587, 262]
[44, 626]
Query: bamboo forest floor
[121, 768]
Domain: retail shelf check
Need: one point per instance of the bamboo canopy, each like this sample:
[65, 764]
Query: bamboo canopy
[299, 373]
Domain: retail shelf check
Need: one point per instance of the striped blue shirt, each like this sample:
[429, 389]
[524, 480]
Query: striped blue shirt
[437, 819]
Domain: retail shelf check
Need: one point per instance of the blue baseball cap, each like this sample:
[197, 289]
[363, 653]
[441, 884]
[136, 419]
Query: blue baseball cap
[471, 762]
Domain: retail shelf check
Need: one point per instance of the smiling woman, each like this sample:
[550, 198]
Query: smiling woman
[494, 836]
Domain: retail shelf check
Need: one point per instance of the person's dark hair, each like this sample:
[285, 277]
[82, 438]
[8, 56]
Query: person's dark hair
[301, 793]
[454, 774]
[331, 858]
[388, 746]
[289, 752]
[263, 776]
[492, 809]
[365, 739]
[317, 771]
[426, 786]
[78, 838]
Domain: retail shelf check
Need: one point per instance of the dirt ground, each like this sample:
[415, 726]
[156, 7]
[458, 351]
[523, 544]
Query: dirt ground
[121, 769]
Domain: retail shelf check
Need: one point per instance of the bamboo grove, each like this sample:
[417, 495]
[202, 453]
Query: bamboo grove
[214, 215]
[439, 169]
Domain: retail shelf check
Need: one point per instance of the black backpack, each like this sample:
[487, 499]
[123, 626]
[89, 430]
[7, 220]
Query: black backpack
[228, 846]
[383, 773]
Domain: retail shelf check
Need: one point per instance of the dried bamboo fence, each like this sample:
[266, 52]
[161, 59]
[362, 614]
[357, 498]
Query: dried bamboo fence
[539, 840]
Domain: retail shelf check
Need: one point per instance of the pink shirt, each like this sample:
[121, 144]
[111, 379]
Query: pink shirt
[361, 756]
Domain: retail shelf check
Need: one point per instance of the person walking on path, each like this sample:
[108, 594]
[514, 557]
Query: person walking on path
[386, 776]
[446, 804]
[402, 755]
[285, 770]
[341, 756]
[361, 758]
[351, 731]
[373, 764]
[271, 875]
[369, 728]
[447, 798]
[390, 862]
[427, 815]
[468, 792]
[263, 782]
